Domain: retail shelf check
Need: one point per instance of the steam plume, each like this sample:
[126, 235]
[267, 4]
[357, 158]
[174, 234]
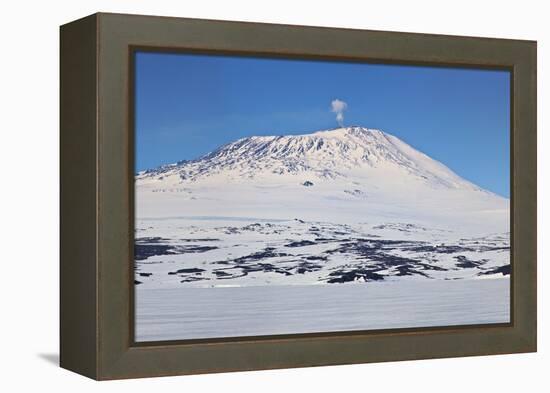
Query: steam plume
[338, 107]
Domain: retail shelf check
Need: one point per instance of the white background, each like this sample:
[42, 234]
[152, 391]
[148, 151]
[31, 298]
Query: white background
[29, 193]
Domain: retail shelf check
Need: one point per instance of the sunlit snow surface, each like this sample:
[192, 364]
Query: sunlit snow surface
[348, 229]
[192, 313]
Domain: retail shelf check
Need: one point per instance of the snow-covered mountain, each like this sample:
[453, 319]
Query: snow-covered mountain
[342, 175]
[343, 205]
[337, 153]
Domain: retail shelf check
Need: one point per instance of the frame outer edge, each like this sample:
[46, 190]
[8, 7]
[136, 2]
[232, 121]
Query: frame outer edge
[78, 197]
[525, 195]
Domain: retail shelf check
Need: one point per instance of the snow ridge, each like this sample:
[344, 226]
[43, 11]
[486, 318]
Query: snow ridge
[326, 154]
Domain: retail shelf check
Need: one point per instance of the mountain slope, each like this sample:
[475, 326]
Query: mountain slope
[324, 154]
[343, 175]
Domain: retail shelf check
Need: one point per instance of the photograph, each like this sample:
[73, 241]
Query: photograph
[280, 196]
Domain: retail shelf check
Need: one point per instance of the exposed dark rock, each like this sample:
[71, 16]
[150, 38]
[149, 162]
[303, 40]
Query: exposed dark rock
[408, 270]
[316, 258]
[505, 270]
[300, 243]
[149, 240]
[304, 267]
[442, 249]
[192, 270]
[466, 263]
[341, 276]
[144, 251]
[193, 278]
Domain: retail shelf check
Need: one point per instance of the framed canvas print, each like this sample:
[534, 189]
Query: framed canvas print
[240, 196]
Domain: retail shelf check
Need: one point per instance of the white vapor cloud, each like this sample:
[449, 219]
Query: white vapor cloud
[338, 107]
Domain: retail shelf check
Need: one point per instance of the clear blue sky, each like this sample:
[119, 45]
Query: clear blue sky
[188, 105]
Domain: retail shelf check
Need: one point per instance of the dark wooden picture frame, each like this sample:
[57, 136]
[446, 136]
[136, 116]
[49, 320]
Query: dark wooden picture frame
[97, 197]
